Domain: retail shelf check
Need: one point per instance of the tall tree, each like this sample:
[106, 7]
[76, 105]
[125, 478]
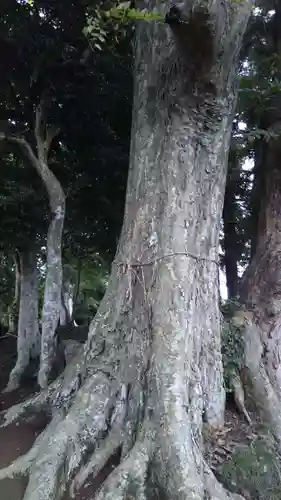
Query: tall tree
[152, 368]
[44, 136]
[28, 338]
[261, 282]
[52, 77]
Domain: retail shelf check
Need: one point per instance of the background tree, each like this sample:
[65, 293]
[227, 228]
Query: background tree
[48, 65]
[152, 364]
[261, 281]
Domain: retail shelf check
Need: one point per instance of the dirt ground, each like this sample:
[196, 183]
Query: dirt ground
[17, 439]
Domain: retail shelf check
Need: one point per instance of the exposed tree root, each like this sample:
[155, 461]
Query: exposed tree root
[214, 489]
[16, 375]
[100, 458]
[29, 407]
[94, 416]
[79, 444]
[128, 480]
[23, 464]
[56, 397]
[62, 447]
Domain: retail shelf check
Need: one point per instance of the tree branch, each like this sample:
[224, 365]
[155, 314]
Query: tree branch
[25, 148]
[51, 183]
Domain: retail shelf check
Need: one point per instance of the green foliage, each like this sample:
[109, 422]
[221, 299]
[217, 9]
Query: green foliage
[117, 20]
[124, 12]
[89, 275]
[95, 29]
[232, 342]
[256, 469]
[93, 286]
[230, 307]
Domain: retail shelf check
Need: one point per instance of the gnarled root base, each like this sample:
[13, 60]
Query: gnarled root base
[156, 452]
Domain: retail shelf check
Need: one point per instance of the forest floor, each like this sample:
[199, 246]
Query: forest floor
[18, 438]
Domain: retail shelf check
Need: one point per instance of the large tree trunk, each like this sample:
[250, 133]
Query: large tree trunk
[28, 339]
[151, 368]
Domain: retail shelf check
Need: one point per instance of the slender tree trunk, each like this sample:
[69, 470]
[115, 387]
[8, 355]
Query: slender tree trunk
[53, 284]
[261, 286]
[28, 339]
[44, 136]
[14, 309]
[152, 366]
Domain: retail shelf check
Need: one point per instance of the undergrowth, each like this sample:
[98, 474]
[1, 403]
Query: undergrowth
[255, 469]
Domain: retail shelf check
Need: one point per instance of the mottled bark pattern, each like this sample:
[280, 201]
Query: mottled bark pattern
[28, 339]
[261, 287]
[52, 293]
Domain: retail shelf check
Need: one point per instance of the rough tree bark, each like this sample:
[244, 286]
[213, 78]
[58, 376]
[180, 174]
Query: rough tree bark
[44, 136]
[261, 294]
[151, 367]
[261, 285]
[28, 338]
